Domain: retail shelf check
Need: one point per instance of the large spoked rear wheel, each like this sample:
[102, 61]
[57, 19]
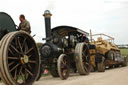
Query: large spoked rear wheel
[82, 58]
[19, 59]
[63, 66]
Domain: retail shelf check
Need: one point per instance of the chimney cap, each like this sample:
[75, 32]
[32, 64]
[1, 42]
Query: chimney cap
[47, 13]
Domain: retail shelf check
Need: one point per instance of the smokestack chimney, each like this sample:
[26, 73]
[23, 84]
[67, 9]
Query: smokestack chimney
[47, 15]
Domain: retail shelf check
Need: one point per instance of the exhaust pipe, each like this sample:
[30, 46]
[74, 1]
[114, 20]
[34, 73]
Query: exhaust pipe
[47, 15]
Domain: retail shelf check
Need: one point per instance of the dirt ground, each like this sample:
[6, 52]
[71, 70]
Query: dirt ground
[116, 76]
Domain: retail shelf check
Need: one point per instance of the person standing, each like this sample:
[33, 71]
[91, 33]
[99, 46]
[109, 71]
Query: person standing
[24, 24]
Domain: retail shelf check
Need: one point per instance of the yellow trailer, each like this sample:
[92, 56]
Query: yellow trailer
[104, 52]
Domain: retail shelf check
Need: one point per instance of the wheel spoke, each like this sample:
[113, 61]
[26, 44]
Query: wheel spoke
[15, 67]
[85, 50]
[29, 56]
[21, 74]
[28, 71]
[22, 77]
[85, 66]
[63, 62]
[14, 58]
[29, 66]
[30, 61]
[29, 50]
[11, 63]
[14, 48]
[15, 76]
[16, 41]
[24, 42]
[20, 45]
[87, 57]
[20, 70]
[83, 54]
[86, 69]
[87, 63]
[25, 74]
[11, 51]
[62, 65]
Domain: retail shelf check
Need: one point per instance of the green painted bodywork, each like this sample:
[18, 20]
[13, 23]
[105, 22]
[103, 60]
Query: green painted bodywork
[6, 24]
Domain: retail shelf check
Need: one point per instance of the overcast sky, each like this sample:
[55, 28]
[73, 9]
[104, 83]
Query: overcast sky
[101, 16]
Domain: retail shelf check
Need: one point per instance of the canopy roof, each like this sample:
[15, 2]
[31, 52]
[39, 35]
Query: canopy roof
[65, 30]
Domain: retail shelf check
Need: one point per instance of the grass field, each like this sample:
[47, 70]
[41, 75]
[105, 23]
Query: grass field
[124, 51]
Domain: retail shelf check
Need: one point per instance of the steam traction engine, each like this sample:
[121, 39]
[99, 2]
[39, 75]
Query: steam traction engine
[19, 59]
[65, 49]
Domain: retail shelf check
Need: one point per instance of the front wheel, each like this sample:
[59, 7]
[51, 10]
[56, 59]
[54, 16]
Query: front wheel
[63, 66]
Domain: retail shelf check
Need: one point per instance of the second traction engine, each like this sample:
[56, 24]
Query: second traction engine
[65, 50]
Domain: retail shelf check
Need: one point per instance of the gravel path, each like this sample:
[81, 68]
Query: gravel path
[116, 76]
